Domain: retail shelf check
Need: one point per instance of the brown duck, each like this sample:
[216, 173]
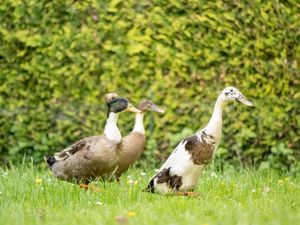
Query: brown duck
[94, 156]
[132, 145]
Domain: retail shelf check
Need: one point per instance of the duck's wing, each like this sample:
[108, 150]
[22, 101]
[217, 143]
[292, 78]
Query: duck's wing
[200, 149]
[80, 145]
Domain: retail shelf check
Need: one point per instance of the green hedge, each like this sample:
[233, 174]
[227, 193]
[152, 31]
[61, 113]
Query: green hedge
[59, 58]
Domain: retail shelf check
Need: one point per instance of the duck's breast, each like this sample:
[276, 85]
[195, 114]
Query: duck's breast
[131, 148]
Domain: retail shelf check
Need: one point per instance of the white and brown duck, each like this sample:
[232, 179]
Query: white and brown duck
[132, 145]
[181, 171]
[92, 157]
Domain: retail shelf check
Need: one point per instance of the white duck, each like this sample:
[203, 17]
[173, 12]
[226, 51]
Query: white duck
[181, 171]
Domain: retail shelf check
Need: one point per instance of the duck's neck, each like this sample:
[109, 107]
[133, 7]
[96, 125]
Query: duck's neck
[139, 124]
[111, 130]
[214, 126]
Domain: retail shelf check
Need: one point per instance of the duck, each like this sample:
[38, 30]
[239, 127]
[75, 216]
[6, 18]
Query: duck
[181, 172]
[132, 145]
[92, 157]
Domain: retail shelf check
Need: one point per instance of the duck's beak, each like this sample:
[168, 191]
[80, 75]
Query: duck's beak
[244, 100]
[157, 109]
[131, 108]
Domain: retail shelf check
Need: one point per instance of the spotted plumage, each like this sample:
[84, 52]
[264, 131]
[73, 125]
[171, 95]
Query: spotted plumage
[182, 170]
[172, 181]
[201, 148]
[185, 164]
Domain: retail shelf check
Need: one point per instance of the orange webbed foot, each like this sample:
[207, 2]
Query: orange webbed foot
[92, 188]
[84, 186]
[188, 194]
[95, 189]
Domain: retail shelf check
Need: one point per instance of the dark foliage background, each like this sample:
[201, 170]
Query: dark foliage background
[59, 58]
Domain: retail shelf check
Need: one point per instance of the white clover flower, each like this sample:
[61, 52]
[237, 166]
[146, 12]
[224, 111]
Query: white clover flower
[213, 174]
[130, 181]
[266, 190]
[99, 203]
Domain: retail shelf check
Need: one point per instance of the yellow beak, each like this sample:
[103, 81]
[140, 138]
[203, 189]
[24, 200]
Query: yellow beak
[131, 108]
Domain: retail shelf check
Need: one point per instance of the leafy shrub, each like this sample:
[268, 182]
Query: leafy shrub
[59, 58]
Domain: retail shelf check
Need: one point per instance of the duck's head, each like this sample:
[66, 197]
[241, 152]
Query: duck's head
[118, 104]
[148, 105]
[110, 97]
[233, 94]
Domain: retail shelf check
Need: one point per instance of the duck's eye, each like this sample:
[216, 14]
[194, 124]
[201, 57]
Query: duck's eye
[231, 90]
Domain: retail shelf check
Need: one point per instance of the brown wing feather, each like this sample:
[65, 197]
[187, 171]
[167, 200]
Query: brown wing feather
[201, 150]
[71, 150]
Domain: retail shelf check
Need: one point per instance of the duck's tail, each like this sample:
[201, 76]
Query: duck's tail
[150, 187]
[50, 160]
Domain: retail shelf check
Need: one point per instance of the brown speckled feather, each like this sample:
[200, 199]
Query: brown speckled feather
[201, 150]
[132, 146]
[87, 159]
[71, 150]
[173, 181]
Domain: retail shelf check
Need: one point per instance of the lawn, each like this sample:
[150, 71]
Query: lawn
[32, 196]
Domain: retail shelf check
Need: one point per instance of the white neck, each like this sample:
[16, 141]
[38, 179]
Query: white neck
[139, 125]
[214, 126]
[111, 130]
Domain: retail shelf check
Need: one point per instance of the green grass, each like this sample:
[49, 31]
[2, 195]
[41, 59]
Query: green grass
[32, 196]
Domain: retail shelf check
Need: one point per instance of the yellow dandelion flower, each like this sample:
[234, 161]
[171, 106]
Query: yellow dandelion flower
[131, 214]
[38, 180]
